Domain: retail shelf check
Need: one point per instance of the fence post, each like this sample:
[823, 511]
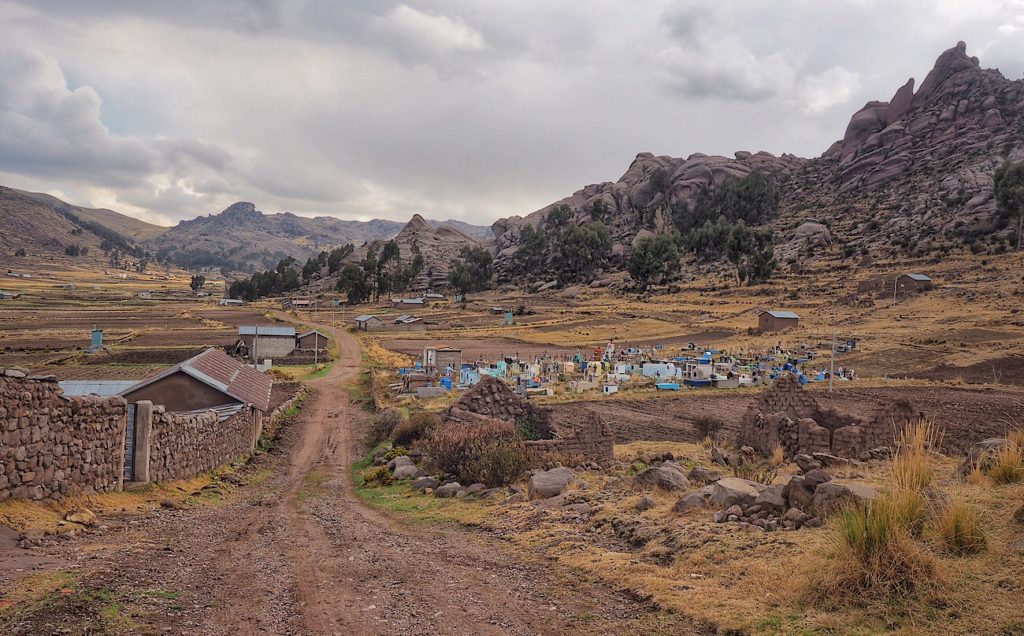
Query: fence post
[143, 429]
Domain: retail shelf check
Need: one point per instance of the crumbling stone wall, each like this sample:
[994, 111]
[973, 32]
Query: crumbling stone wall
[788, 416]
[51, 446]
[592, 439]
[183, 445]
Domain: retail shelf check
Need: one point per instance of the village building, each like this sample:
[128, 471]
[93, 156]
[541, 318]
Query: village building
[433, 296]
[913, 283]
[265, 342]
[774, 321]
[302, 303]
[439, 359]
[406, 322]
[8, 295]
[210, 380]
[312, 340]
[367, 322]
[408, 303]
[230, 302]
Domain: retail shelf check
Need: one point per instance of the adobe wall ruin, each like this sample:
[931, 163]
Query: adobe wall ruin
[786, 415]
[51, 446]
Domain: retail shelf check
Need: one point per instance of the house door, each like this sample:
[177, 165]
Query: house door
[129, 445]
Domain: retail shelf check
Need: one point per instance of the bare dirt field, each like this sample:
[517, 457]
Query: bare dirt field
[966, 415]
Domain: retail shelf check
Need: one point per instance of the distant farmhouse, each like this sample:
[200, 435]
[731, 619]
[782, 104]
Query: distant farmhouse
[912, 283]
[409, 303]
[775, 321]
[265, 342]
[902, 285]
[367, 322]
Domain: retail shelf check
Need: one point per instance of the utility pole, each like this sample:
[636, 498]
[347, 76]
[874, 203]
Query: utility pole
[316, 348]
[832, 364]
[894, 280]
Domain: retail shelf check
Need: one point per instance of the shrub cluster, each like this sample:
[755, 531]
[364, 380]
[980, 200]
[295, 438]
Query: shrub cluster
[487, 452]
[417, 427]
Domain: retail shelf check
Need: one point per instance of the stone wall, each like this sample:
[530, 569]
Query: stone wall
[183, 445]
[51, 446]
[788, 416]
[592, 439]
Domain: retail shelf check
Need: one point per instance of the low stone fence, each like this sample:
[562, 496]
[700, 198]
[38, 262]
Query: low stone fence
[51, 446]
[183, 445]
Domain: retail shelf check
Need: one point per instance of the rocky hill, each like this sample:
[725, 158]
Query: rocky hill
[910, 176]
[42, 225]
[438, 244]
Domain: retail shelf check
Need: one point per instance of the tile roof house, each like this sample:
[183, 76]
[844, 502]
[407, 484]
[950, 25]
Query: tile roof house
[210, 379]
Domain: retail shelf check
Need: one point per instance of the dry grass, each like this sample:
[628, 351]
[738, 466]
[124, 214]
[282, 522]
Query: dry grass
[778, 456]
[912, 468]
[958, 529]
[1008, 467]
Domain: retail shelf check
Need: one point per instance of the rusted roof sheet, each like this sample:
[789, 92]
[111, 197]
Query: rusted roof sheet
[217, 369]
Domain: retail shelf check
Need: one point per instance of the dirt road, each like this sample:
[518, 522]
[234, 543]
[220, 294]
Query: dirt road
[297, 552]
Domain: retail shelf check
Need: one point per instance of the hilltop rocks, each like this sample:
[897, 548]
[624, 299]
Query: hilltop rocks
[830, 497]
[733, 490]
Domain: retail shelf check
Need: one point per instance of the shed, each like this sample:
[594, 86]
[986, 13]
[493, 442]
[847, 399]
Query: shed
[210, 379]
[433, 296]
[230, 302]
[367, 322]
[312, 340]
[267, 342]
[771, 321]
[408, 303]
[910, 283]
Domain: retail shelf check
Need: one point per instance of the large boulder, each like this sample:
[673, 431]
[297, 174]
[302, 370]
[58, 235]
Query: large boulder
[551, 483]
[831, 496]
[449, 490]
[701, 475]
[406, 471]
[401, 460]
[694, 500]
[733, 490]
[422, 483]
[798, 493]
[983, 455]
[771, 499]
[666, 477]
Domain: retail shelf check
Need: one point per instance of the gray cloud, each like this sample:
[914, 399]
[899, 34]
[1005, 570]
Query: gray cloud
[453, 108]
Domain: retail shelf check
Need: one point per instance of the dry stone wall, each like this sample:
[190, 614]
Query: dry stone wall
[592, 439]
[51, 446]
[183, 445]
[788, 416]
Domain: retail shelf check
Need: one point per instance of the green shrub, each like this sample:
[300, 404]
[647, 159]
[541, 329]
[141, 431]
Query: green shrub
[487, 452]
[379, 476]
[395, 451]
[418, 426]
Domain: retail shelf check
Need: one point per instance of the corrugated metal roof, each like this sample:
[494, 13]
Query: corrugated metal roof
[364, 318]
[919, 277]
[266, 330]
[103, 388]
[215, 368]
[410, 301]
[782, 314]
[225, 412]
[313, 331]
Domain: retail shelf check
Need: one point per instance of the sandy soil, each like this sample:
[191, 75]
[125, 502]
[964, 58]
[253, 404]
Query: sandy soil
[299, 553]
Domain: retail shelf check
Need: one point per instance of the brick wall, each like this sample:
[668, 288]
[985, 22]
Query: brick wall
[51, 446]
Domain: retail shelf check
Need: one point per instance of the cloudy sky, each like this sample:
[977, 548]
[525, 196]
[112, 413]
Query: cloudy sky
[455, 108]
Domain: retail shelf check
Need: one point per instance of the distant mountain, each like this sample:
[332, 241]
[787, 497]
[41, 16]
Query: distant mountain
[479, 232]
[910, 176]
[43, 225]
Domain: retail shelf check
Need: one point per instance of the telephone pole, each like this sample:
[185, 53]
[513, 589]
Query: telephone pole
[832, 364]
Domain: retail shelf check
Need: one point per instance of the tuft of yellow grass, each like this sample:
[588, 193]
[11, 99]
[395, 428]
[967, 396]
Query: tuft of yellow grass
[778, 456]
[958, 529]
[1008, 467]
[912, 467]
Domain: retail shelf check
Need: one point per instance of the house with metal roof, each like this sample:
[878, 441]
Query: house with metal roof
[102, 388]
[773, 321]
[367, 322]
[408, 303]
[208, 380]
[267, 342]
[312, 340]
[912, 283]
